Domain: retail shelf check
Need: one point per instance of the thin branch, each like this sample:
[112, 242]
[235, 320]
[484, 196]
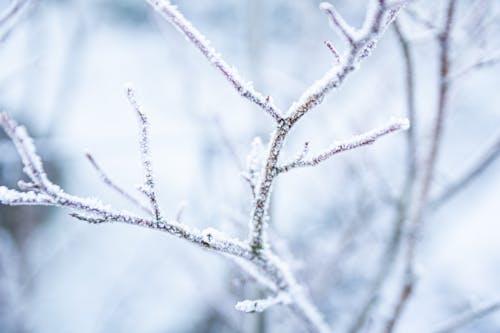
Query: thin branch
[108, 181]
[419, 18]
[411, 140]
[487, 159]
[365, 42]
[338, 23]
[259, 305]
[10, 16]
[355, 142]
[265, 267]
[148, 187]
[469, 317]
[333, 50]
[245, 89]
[421, 201]
[392, 248]
[405, 294]
[312, 97]
[33, 167]
[484, 62]
[12, 11]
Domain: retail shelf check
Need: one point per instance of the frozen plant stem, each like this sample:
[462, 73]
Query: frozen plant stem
[148, 188]
[245, 89]
[342, 146]
[254, 255]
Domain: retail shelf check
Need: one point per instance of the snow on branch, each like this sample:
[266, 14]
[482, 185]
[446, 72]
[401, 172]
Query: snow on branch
[355, 142]
[245, 89]
[32, 163]
[259, 305]
[265, 267]
[254, 255]
[360, 44]
[338, 24]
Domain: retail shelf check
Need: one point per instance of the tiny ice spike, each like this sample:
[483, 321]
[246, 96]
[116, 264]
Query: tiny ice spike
[254, 255]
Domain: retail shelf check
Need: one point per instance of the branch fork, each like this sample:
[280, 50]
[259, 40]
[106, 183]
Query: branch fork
[254, 254]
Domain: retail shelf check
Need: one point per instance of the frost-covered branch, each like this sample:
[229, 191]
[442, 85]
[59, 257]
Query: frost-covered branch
[265, 267]
[254, 255]
[360, 45]
[363, 44]
[467, 318]
[245, 89]
[338, 24]
[148, 186]
[260, 305]
[355, 142]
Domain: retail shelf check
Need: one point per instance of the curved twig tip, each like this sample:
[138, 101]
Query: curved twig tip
[325, 6]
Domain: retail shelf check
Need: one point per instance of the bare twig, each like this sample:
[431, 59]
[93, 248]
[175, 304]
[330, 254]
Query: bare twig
[338, 24]
[419, 18]
[483, 162]
[405, 294]
[336, 54]
[481, 63]
[12, 11]
[107, 180]
[391, 250]
[245, 89]
[10, 16]
[364, 42]
[467, 318]
[421, 200]
[411, 140]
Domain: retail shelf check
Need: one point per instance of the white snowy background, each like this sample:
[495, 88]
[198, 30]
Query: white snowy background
[62, 73]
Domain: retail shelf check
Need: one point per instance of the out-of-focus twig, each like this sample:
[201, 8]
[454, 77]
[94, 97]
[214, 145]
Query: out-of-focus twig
[467, 318]
[9, 15]
[420, 205]
[392, 248]
[484, 62]
[480, 165]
